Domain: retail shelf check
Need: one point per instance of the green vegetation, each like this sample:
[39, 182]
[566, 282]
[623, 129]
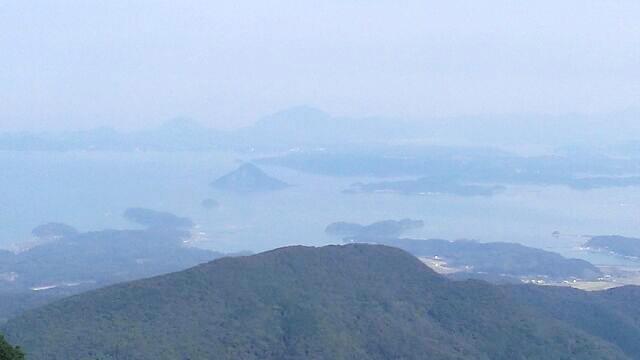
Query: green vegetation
[612, 315]
[14, 304]
[68, 263]
[102, 257]
[8, 352]
[337, 302]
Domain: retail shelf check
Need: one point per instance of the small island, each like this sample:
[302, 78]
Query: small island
[53, 230]
[248, 178]
[156, 219]
[386, 228]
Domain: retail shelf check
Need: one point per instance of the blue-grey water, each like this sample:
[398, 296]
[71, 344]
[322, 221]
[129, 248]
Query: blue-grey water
[90, 190]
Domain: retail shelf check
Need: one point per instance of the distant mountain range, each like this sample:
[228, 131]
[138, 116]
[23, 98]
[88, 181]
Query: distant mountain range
[337, 302]
[417, 157]
[305, 126]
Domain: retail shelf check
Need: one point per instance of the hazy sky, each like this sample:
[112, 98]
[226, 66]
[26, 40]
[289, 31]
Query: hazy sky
[122, 63]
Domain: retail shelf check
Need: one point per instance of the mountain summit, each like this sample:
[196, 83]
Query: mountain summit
[335, 302]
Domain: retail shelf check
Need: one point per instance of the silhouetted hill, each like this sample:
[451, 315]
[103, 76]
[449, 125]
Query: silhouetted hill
[248, 178]
[304, 126]
[158, 219]
[385, 228]
[301, 126]
[174, 135]
[336, 302]
[52, 231]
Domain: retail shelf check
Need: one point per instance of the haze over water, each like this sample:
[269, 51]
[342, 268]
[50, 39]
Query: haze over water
[90, 190]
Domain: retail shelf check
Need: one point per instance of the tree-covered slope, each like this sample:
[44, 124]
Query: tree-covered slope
[613, 315]
[106, 256]
[66, 262]
[8, 352]
[336, 302]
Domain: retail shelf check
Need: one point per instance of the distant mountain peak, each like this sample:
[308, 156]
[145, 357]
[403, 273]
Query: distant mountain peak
[248, 178]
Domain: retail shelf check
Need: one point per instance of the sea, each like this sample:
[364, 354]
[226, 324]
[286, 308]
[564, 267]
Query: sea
[91, 189]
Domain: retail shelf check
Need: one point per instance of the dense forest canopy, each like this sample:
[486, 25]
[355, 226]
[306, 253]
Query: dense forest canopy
[9, 352]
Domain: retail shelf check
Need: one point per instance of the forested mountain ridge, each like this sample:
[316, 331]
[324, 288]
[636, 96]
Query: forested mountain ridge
[336, 302]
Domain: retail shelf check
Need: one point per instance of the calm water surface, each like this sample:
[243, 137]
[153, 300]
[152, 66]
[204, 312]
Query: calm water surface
[90, 190]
